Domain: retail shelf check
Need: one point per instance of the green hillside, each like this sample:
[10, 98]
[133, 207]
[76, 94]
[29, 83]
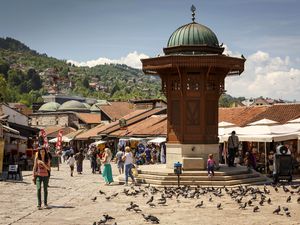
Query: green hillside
[26, 75]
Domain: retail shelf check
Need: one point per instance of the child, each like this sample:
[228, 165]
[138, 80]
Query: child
[210, 165]
[71, 162]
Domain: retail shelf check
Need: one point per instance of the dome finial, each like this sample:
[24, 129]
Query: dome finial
[193, 9]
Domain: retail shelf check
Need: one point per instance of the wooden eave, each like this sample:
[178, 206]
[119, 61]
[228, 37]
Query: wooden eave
[153, 66]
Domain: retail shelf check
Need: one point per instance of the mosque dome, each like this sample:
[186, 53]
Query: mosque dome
[49, 107]
[193, 34]
[73, 105]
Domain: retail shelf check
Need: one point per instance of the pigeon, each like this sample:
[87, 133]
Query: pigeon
[133, 205]
[288, 214]
[289, 199]
[276, 189]
[219, 206]
[249, 202]
[108, 198]
[285, 189]
[285, 208]
[199, 205]
[107, 217]
[255, 209]
[243, 206]
[151, 218]
[102, 221]
[261, 202]
[162, 202]
[101, 192]
[298, 200]
[269, 201]
[266, 190]
[94, 199]
[277, 210]
[114, 195]
[210, 199]
[150, 200]
[137, 210]
[152, 205]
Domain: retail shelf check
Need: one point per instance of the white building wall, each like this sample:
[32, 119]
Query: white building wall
[15, 116]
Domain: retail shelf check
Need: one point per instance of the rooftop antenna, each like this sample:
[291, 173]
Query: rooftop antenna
[193, 9]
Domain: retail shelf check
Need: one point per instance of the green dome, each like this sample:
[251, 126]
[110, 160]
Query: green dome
[73, 105]
[50, 107]
[193, 34]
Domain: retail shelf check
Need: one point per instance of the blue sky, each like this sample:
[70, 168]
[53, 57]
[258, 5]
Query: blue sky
[265, 31]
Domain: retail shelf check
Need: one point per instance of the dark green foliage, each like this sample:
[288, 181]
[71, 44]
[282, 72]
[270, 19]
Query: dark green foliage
[26, 74]
[14, 45]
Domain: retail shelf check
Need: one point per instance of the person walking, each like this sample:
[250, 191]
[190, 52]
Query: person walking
[119, 160]
[233, 143]
[79, 157]
[128, 163]
[71, 162]
[107, 171]
[93, 158]
[41, 169]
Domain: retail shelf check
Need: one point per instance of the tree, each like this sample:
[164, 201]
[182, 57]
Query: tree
[3, 88]
[85, 82]
[36, 82]
[14, 78]
[4, 67]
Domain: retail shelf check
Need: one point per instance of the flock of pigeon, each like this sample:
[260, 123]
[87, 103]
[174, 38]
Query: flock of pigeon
[246, 197]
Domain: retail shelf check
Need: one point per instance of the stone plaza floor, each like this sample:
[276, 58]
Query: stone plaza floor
[70, 201]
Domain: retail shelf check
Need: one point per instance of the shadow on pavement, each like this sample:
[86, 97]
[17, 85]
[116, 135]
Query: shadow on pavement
[61, 207]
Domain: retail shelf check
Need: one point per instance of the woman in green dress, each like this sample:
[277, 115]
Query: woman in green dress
[107, 172]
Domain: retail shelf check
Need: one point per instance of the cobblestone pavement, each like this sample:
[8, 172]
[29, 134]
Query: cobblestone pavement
[70, 201]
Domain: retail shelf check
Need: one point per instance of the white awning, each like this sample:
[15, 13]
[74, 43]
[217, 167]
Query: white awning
[98, 142]
[263, 137]
[64, 139]
[158, 140]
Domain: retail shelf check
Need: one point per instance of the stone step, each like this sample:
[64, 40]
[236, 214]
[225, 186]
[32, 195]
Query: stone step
[198, 178]
[238, 171]
[159, 175]
[206, 183]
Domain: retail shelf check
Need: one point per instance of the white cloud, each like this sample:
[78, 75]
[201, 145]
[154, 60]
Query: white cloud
[267, 76]
[132, 59]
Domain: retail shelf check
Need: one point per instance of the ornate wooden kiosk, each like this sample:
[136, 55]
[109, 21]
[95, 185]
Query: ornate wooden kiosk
[192, 72]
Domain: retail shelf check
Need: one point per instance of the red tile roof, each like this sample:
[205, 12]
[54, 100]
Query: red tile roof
[89, 118]
[52, 131]
[280, 113]
[142, 116]
[241, 116]
[117, 110]
[151, 126]
[101, 128]
[89, 133]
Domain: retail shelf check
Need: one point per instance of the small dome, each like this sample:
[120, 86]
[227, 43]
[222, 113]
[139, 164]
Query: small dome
[73, 105]
[193, 34]
[49, 107]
